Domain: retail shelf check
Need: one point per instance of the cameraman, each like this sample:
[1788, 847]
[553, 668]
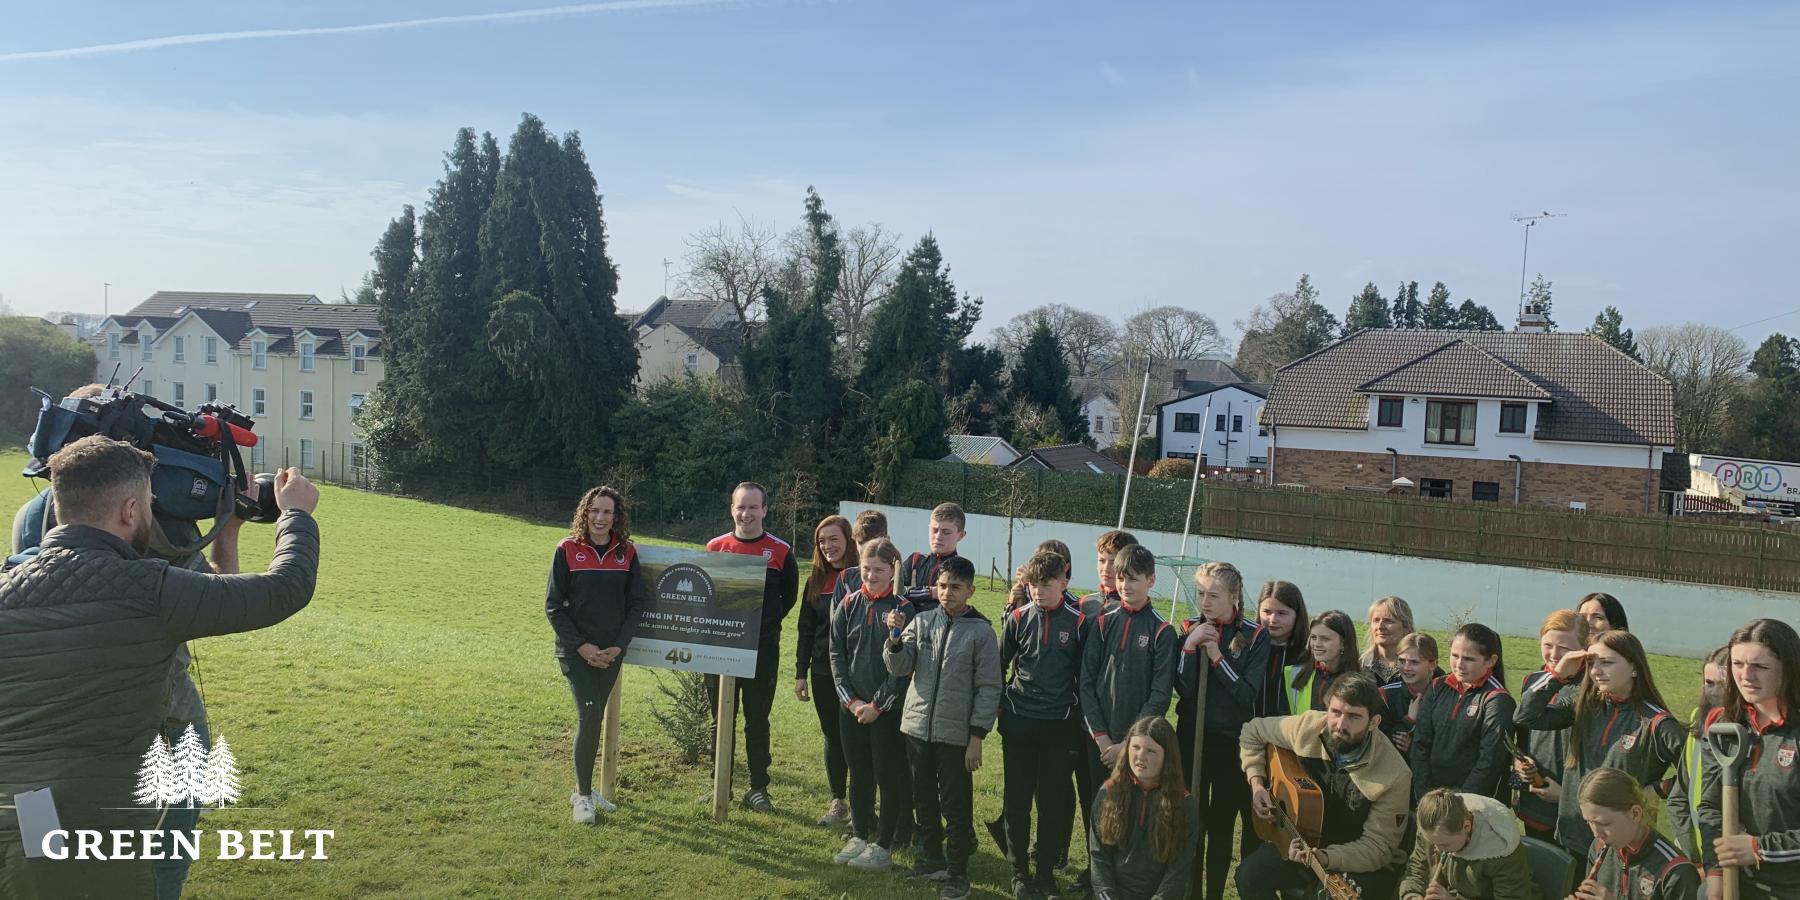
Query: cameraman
[89, 631]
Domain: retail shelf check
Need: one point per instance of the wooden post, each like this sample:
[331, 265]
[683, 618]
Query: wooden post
[724, 746]
[609, 739]
[1197, 883]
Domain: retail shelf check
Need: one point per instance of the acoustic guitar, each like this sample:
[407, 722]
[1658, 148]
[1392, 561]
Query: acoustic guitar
[1299, 816]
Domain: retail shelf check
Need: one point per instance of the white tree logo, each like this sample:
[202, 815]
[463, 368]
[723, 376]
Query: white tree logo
[189, 774]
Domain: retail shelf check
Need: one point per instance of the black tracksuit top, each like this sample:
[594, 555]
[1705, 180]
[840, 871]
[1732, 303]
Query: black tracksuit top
[813, 646]
[1127, 670]
[1653, 870]
[1457, 742]
[1235, 692]
[1768, 802]
[1043, 650]
[780, 588]
[594, 595]
[918, 574]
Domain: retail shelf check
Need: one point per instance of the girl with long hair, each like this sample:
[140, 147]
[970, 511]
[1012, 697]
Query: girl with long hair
[1603, 612]
[1418, 660]
[1145, 821]
[1763, 695]
[592, 602]
[1632, 860]
[1331, 646]
[1616, 720]
[1390, 619]
[1281, 610]
[1228, 651]
[1563, 632]
[1460, 740]
[812, 654]
[869, 720]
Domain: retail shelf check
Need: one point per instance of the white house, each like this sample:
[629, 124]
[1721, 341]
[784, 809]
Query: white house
[1109, 397]
[1218, 427]
[1526, 417]
[679, 338]
[300, 368]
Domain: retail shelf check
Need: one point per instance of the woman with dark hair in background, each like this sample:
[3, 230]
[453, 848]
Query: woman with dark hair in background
[1459, 742]
[592, 601]
[1603, 613]
[812, 654]
[1331, 644]
[1763, 695]
[1281, 609]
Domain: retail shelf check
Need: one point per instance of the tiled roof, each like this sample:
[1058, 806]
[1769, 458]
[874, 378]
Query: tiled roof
[680, 313]
[1073, 458]
[972, 447]
[1457, 369]
[1595, 392]
[229, 324]
[233, 316]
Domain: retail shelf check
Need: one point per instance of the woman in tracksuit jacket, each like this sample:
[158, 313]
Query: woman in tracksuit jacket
[1563, 632]
[1281, 611]
[832, 549]
[869, 725]
[1141, 846]
[1040, 650]
[1232, 651]
[1763, 695]
[1458, 741]
[1630, 859]
[950, 654]
[1684, 788]
[592, 601]
[1618, 720]
[1331, 652]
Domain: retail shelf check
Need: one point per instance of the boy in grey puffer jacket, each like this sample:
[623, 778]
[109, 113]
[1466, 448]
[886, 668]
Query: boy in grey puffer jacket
[954, 660]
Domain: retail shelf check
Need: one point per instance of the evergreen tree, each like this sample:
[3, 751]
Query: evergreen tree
[1304, 292]
[190, 767]
[1407, 313]
[977, 396]
[1538, 295]
[1368, 309]
[1609, 326]
[1472, 316]
[1773, 415]
[389, 420]
[159, 783]
[1041, 378]
[1438, 313]
[220, 787]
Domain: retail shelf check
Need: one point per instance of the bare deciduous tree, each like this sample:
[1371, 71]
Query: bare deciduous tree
[1088, 339]
[1705, 365]
[726, 265]
[871, 257]
[1170, 332]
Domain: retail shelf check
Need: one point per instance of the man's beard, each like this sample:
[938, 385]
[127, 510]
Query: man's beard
[1342, 747]
[140, 539]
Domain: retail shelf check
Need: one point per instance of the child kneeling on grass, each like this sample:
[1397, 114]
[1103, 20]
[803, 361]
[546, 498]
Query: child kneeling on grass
[1145, 821]
[954, 661]
[869, 725]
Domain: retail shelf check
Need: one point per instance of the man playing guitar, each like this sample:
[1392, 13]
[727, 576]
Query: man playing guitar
[1364, 784]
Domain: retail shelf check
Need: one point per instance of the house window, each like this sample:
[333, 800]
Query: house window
[145, 387]
[212, 393]
[359, 359]
[1512, 418]
[359, 459]
[1391, 413]
[1486, 491]
[112, 346]
[179, 392]
[1219, 422]
[180, 349]
[258, 455]
[212, 350]
[306, 404]
[1440, 488]
[1099, 424]
[1187, 423]
[259, 354]
[144, 340]
[356, 405]
[306, 454]
[1237, 423]
[306, 356]
[259, 402]
[692, 363]
[1450, 422]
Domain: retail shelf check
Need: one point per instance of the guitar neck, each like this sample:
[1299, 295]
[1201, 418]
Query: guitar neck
[1293, 833]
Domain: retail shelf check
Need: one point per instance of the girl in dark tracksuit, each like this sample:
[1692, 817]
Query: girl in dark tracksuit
[1617, 720]
[1331, 646]
[812, 654]
[592, 601]
[1763, 694]
[1459, 741]
[1563, 632]
[1630, 859]
[869, 724]
[1232, 652]
[1141, 846]
[1684, 787]
[1281, 611]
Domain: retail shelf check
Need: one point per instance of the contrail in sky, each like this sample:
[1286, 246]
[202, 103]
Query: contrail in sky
[220, 37]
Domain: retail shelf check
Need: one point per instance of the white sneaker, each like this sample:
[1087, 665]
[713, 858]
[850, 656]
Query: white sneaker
[836, 814]
[602, 804]
[874, 858]
[584, 808]
[851, 851]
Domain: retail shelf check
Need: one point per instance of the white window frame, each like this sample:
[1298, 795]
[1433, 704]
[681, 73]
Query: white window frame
[258, 454]
[144, 387]
[259, 402]
[356, 405]
[178, 394]
[145, 341]
[112, 346]
[359, 458]
[307, 358]
[211, 345]
[359, 359]
[306, 454]
[259, 354]
[180, 349]
[212, 392]
[305, 410]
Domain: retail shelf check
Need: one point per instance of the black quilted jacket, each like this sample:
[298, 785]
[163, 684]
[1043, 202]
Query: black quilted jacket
[87, 632]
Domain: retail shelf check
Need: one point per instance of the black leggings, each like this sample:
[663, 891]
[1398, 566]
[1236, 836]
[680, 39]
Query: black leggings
[1225, 796]
[825, 704]
[591, 687]
[877, 757]
[1036, 763]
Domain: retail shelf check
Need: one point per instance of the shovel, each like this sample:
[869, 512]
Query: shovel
[1730, 744]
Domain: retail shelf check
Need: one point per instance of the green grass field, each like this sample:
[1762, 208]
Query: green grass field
[416, 709]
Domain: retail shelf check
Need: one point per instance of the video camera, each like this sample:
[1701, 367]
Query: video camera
[199, 472]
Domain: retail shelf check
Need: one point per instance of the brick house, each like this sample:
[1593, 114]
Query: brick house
[1527, 417]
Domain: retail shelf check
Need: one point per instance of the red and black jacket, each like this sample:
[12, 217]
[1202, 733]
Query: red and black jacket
[1043, 650]
[782, 586]
[859, 633]
[1235, 690]
[594, 595]
[1768, 803]
[1395, 720]
[813, 648]
[1654, 870]
[918, 574]
[1459, 739]
[1127, 670]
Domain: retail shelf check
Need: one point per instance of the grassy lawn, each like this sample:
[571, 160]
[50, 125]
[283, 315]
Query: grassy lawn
[416, 709]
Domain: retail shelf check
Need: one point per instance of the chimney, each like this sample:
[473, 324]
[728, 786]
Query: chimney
[1179, 380]
[1532, 320]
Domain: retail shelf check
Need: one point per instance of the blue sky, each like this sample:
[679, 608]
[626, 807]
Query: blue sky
[1105, 155]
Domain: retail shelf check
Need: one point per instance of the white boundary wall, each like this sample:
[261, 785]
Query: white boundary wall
[1670, 617]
